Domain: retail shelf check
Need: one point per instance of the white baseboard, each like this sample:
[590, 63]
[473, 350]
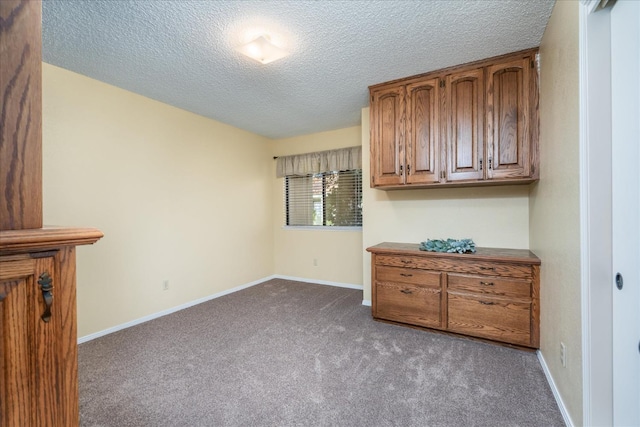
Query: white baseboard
[366, 302]
[208, 298]
[319, 282]
[169, 311]
[563, 409]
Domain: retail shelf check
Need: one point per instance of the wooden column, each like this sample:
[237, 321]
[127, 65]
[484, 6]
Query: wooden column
[38, 332]
[20, 114]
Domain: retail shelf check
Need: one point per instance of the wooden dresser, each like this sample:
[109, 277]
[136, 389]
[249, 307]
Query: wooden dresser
[492, 294]
[38, 338]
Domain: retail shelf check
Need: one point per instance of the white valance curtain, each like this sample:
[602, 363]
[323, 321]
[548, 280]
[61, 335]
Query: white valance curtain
[322, 161]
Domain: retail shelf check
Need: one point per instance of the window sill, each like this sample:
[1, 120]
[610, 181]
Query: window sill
[320, 228]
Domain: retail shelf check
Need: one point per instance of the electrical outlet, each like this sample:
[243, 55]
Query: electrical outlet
[165, 285]
[563, 355]
[315, 262]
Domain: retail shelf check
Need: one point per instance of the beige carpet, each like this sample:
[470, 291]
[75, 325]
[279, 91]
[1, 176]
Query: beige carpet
[286, 353]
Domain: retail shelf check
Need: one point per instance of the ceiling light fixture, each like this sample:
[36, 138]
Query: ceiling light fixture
[262, 50]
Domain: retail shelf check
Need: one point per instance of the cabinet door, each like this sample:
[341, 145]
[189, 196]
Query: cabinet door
[464, 108]
[38, 357]
[17, 400]
[509, 119]
[387, 136]
[422, 135]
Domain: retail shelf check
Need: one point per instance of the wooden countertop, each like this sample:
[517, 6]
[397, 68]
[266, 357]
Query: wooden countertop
[519, 256]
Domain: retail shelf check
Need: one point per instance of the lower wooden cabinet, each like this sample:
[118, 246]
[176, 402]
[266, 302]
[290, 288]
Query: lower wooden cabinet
[492, 294]
[38, 334]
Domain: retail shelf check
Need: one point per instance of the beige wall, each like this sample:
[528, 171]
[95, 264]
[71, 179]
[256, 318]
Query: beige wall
[554, 204]
[338, 253]
[491, 216]
[179, 197]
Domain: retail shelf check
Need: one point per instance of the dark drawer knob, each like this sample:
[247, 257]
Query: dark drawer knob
[488, 268]
[406, 275]
[406, 291]
[486, 303]
[486, 283]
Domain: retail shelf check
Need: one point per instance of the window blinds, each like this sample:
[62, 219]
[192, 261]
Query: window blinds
[324, 199]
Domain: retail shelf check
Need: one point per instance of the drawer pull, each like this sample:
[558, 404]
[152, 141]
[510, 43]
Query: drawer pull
[406, 291]
[405, 261]
[486, 303]
[488, 268]
[406, 275]
[486, 283]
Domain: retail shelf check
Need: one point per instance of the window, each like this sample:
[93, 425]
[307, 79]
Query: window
[324, 199]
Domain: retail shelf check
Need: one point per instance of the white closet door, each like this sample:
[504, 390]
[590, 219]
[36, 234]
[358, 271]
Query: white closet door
[625, 87]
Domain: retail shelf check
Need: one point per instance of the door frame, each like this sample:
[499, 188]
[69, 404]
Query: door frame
[595, 213]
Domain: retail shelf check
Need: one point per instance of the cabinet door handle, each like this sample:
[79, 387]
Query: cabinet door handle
[47, 294]
[406, 275]
[486, 303]
[406, 291]
[486, 283]
[480, 164]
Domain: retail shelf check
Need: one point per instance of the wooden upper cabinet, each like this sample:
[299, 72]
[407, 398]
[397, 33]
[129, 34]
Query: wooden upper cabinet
[473, 124]
[387, 142]
[422, 135]
[508, 119]
[464, 102]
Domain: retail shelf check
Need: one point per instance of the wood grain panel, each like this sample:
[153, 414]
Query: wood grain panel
[45, 342]
[422, 132]
[514, 256]
[489, 286]
[535, 307]
[465, 128]
[508, 118]
[67, 349]
[410, 276]
[387, 136]
[493, 318]
[457, 266]
[17, 399]
[409, 303]
[506, 113]
[48, 238]
[20, 115]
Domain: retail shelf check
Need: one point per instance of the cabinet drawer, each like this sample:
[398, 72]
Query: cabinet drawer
[457, 266]
[492, 318]
[489, 285]
[407, 275]
[409, 303]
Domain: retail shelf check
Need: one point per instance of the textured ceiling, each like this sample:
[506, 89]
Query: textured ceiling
[182, 52]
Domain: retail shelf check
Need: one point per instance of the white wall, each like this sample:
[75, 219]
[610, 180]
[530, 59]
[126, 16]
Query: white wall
[178, 196]
[555, 204]
[338, 252]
